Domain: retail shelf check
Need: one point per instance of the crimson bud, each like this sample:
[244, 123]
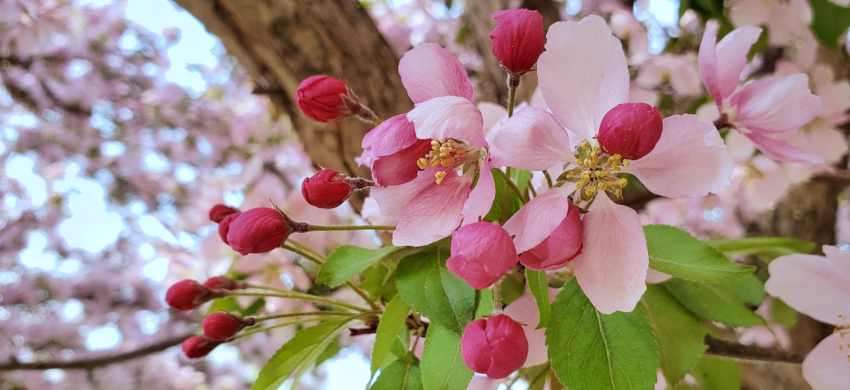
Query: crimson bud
[562, 246]
[219, 211]
[518, 39]
[326, 99]
[222, 326]
[224, 226]
[261, 230]
[188, 294]
[224, 282]
[326, 189]
[496, 346]
[198, 346]
[482, 253]
[630, 130]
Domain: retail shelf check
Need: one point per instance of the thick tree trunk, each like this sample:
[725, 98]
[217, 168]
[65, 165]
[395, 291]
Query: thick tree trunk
[283, 42]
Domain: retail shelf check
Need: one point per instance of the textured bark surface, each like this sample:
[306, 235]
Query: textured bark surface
[281, 43]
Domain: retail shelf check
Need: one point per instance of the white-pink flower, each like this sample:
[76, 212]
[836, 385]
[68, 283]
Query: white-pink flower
[819, 287]
[583, 75]
[760, 109]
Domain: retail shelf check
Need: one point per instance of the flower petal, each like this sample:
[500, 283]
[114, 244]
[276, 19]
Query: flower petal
[839, 258]
[781, 151]
[776, 104]
[532, 139]
[583, 73]
[538, 218]
[389, 137]
[393, 199]
[432, 214]
[448, 117]
[720, 65]
[812, 285]
[524, 310]
[401, 167]
[428, 71]
[820, 139]
[612, 267]
[690, 159]
[827, 367]
[481, 197]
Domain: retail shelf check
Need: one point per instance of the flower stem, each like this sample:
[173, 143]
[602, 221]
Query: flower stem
[309, 313]
[350, 227]
[497, 297]
[512, 185]
[548, 178]
[298, 295]
[513, 83]
[307, 248]
[301, 253]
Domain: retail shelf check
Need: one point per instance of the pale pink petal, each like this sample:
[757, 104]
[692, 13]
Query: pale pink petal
[811, 285]
[721, 64]
[653, 276]
[840, 259]
[401, 167]
[538, 218]
[690, 159]
[532, 139]
[836, 101]
[432, 214]
[820, 139]
[524, 310]
[781, 151]
[429, 71]
[740, 147]
[493, 114]
[481, 197]
[611, 269]
[827, 367]
[776, 104]
[583, 73]
[389, 137]
[393, 199]
[448, 117]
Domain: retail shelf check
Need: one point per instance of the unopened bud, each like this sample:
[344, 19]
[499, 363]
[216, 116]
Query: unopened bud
[222, 326]
[481, 254]
[188, 294]
[224, 226]
[224, 283]
[496, 346]
[261, 230]
[196, 347]
[326, 99]
[518, 39]
[219, 211]
[326, 189]
[631, 130]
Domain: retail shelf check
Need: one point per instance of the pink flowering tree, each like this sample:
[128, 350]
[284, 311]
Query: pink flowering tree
[635, 207]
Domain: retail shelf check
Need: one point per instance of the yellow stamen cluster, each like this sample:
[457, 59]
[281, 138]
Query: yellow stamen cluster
[448, 153]
[596, 172]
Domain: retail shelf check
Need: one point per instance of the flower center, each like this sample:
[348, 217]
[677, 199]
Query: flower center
[596, 171]
[450, 154]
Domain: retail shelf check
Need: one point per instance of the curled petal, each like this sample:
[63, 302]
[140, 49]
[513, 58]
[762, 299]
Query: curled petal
[481, 197]
[580, 93]
[775, 105]
[389, 137]
[812, 285]
[532, 139]
[827, 367]
[721, 64]
[781, 151]
[538, 218]
[562, 246]
[690, 159]
[448, 117]
[400, 167]
[612, 267]
[429, 71]
[432, 214]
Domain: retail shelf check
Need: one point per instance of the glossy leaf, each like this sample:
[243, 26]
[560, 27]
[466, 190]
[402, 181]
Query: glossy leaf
[442, 366]
[428, 286]
[347, 261]
[400, 375]
[539, 288]
[767, 248]
[678, 253]
[392, 321]
[716, 302]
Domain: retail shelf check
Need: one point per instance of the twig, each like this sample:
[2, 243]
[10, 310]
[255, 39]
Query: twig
[747, 352]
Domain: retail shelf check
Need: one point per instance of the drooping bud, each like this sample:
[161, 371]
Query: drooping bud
[188, 294]
[326, 189]
[326, 99]
[224, 226]
[482, 253]
[630, 130]
[496, 346]
[219, 211]
[518, 39]
[196, 347]
[562, 246]
[224, 283]
[222, 326]
[261, 230]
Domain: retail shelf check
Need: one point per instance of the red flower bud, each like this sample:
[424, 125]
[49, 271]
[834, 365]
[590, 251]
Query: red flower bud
[224, 283]
[630, 130]
[261, 230]
[219, 211]
[222, 326]
[561, 247]
[224, 226]
[518, 39]
[496, 346]
[326, 99]
[188, 294]
[482, 253]
[197, 346]
[326, 189]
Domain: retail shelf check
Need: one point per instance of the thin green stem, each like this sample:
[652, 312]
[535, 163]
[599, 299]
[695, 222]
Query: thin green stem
[306, 248]
[302, 314]
[302, 253]
[530, 188]
[298, 295]
[513, 186]
[350, 227]
[513, 83]
[548, 178]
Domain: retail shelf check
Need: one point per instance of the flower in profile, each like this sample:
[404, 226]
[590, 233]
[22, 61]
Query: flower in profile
[326, 189]
[196, 347]
[326, 99]
[188, 294]
[762, 109]
[518, 39]
[261, 230]
[495, 346]
[583, 77]
[482, 253]
[819, 287]
[222, 326]
[224, 226]
[219, 211]
[225, 283]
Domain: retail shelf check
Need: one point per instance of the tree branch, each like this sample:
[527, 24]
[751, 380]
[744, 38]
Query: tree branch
[90, 363]
[747, 352]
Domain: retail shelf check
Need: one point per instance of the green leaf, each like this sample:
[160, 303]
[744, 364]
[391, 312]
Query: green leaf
[678, 331]
[830, 22]
[484, 299]
[536, 376]
[329, 352]
[400, 375]
[521, 177]
[716, 302]
[592, 351]
[676, 252]
[767, 248]
[714, 373]
[511, 290]
[749, 288]
[442, 366]
[347, 261]
[540, 290]
[388, 328]
[506, 203]
[401, 345]
[425, 283]
[375, 280]
[783, 314]
[306, 343]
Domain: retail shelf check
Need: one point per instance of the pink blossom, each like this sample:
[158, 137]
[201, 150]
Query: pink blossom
[763, 108]
[482, 253]
[495, 346]
[630, 129]
[562, 245]
[819, 287]
[689, 159]
[518, 39]
[524, 311]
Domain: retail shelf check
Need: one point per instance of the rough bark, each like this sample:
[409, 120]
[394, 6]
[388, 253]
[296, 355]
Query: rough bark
[282, 42]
